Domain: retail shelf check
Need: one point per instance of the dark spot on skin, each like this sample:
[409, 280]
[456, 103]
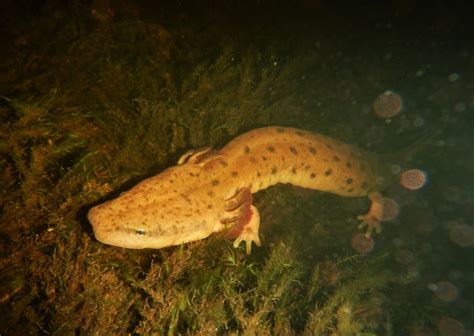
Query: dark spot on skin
[307, 167]
[293, 170]
[171, 181]
[313, 175]
[293, 150]
[210, 193]
[280, 130]
[258, 174]
[246, 149]
[253, 159]
[274, 170]
[209, 206]
[186, 198]
[312, 150]
[215, 182]
[348, 164]
[264, 158]
[336, 158]
[223, 163]
[350, 190]
[349, 180]
[271, 149]
[234, 174]
[328, 172]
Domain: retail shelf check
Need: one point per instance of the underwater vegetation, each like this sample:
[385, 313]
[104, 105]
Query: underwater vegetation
[94, 100]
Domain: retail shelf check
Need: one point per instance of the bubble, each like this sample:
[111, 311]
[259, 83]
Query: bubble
[390, 209]
[461, 234]
[380, 181]
[418, 122]
[413, 179]
[395, 169]
[387, 105]
[405, 123]
[397, 242]
[412, 273]
[444, 290]
[432, 287]
[455, 275]
[362, 244]
[449, 326]
[459, 107]
[404, 257]
[453, 77]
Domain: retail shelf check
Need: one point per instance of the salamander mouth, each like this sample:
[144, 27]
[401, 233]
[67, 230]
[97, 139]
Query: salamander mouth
[119, 238]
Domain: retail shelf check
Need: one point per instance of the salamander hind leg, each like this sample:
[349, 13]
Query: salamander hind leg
[373, 218]
[249, 231]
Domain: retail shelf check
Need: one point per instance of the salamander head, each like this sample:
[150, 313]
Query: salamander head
[161, 211]
[147, 226]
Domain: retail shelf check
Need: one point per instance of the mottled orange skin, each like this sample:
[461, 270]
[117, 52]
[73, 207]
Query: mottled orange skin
[205, 192]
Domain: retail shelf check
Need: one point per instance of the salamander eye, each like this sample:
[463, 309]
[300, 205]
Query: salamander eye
[140, 232]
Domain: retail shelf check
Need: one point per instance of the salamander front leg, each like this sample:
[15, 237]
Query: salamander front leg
[242, 219]
[374, 216]
[249, 232]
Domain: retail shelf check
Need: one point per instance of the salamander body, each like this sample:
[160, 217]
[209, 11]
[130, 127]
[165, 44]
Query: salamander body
[209, 190]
